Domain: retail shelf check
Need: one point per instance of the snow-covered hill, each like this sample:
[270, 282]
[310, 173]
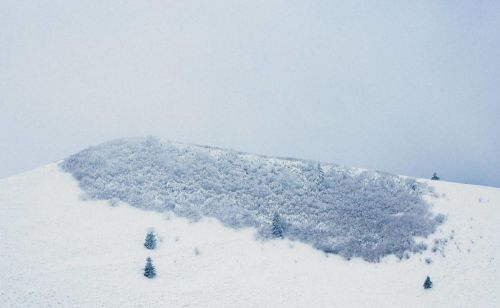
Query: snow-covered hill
[59, 250]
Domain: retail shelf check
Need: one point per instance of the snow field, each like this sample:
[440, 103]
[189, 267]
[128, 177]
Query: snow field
[59, 251]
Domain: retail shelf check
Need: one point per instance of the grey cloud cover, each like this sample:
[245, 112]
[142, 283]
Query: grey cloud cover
[408, 88]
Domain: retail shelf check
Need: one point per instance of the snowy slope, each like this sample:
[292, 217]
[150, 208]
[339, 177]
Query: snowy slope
[59, 251]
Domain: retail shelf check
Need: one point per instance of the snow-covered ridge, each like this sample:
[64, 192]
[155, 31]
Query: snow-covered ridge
[351, 212]
[57, 250]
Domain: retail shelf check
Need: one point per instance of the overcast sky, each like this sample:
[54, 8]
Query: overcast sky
[408, 87]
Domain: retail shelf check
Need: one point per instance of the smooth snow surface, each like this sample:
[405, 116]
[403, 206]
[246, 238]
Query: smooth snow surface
[337, 209]
[59, 251]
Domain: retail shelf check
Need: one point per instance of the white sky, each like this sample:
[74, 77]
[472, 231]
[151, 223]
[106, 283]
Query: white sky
[405, 87]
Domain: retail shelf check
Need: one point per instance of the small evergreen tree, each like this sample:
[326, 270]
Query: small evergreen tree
[277, 226]
[149, 269]
[427, 283]
[150, 242]
[435, 177]
[320, 178]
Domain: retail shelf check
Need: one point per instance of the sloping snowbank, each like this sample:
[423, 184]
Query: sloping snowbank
[59, 251]
[336, 209]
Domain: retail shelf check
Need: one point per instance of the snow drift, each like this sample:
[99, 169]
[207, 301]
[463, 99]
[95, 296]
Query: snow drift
[340, 210]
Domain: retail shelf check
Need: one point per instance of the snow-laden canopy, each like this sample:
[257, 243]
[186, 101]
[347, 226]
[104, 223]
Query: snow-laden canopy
[341, 210]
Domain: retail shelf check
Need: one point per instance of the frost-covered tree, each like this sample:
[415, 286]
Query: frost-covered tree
[277, 226]
[320, 178]
[149, 269]
[427, 283]
[435, 177]
[150, 242]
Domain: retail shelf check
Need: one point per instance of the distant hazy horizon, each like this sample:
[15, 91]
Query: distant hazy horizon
[406, 88]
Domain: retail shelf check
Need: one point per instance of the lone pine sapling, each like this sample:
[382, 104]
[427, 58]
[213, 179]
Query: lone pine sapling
[427, 283]
[150, 242]
[149, 269]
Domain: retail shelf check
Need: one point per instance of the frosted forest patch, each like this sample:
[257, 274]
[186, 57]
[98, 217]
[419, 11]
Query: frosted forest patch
[339, 210]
